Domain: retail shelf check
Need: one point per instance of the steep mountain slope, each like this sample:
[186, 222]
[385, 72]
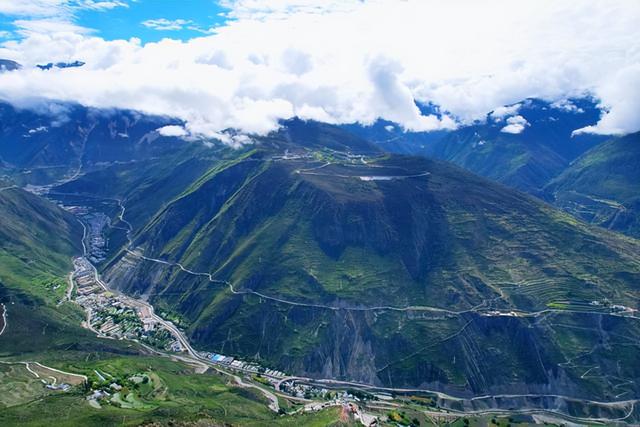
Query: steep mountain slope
[35, 235]
[149, 182]
[37, 242]
[8, 65]
[540, 149]
[603, 185]
[389, 270]
[54, 140]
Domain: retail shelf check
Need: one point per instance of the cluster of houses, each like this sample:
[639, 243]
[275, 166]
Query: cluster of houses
[110, 316]
[231, 362]
[305, 391]
[97, 242]
[613, 308]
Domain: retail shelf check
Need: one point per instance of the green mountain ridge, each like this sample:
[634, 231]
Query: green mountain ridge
[37, 242]
[35, 235]
[603, 185]
[314, 252]
[379, 268]
[526, 160]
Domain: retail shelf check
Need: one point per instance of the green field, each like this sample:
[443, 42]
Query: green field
[18, 386]
[172, 394]
[38, 241]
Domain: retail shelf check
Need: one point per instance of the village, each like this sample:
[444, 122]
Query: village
[113, 316]
[120, 317]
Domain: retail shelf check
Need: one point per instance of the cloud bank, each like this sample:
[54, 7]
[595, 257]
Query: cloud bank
[348, 61]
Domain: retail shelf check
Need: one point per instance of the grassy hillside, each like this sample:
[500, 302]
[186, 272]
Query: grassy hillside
[37, 241]
[149, 182]
[348, 236]
[385, 270]
[173, 395]
[603, 185]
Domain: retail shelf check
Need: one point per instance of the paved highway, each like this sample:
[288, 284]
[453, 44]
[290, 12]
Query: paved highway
[193, 355]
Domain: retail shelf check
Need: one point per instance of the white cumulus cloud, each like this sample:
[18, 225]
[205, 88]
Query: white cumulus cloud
[508, 110]
[515, 125]
[566, 106]
[172, 130]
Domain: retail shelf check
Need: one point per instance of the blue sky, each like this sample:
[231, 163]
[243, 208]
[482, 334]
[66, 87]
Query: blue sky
[149, 20]
[128, 22]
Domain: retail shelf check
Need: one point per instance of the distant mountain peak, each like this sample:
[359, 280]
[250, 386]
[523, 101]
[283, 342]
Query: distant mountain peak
[9, 65]
[50, 65]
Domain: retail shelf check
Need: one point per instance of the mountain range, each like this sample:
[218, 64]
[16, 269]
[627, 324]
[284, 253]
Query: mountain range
[524, 156]
[8, 65]
[311, 257]
[603, 185]
[472, 262]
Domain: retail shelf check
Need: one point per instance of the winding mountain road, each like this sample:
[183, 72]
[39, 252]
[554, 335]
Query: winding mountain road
[4, 319]
[8, 188]
[193, 356]
[476, 309]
